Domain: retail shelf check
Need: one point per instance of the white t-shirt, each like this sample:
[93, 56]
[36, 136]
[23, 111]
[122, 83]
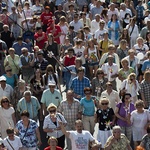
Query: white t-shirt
[94, 26]
[79, 52]
[99, 34]
[122, 13]
[16, 144]
[80, 141]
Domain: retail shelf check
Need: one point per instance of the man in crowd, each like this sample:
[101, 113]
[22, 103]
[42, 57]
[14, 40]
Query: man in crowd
[71, 110]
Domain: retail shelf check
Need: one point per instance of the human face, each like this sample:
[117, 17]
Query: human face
[80, 74]
[28, 97]
[69, 95]
[132, 78]
[79, 127]
[104, 104]
[11, 52]
[52, 110]
[88, 94]
[5, 103]
[8, 71]
[24, 118]
[53, 143]
[52, 88]
[140, 42]
[117, 133]
[127, 98]
[11, 136]
[124, 63]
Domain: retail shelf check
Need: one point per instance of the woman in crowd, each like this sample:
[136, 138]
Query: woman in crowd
[133, 31]
[117, 140]
[11, 79]
[125, 36]
[64, 29]
[105, 118]
[104, 15]
[131, 85]
[125, 70]
[37, 87]
[92, 55]
[98, 83]
[85, 9]
[114, 29]
[123, 113]
[51, 125]
[7, 116]
[52, 142]
[88, 106]
[122, 49]
[133, 61]
[13, 61]
[50, 75]
[80, 36]
[148, 39]
[139, 120]
[28, 131]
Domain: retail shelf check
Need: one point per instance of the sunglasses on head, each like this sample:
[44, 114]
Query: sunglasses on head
[52, 111]
[104, 103]
[9, 70]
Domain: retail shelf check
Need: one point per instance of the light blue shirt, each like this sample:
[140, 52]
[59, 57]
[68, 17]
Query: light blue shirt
[88, 107]
[49, 97]
[32, 107]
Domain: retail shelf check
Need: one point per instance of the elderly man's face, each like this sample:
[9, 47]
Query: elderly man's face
[28, 97]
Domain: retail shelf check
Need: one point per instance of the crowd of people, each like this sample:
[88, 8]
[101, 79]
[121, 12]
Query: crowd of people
[98, 51]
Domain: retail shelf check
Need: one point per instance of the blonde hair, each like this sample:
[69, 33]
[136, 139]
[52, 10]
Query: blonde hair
[131, 75]
[139, 103]
[124, 60]
[51, 105]
[104, 99]
[52, 138]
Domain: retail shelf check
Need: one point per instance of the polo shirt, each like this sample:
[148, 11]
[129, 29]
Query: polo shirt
[49, 97]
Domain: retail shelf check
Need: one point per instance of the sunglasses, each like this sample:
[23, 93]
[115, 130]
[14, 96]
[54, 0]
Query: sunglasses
[52, 111]
[52, 86]
[104, 103]
[100, 73]
[9, 70]
[3, 81]
[5, 101]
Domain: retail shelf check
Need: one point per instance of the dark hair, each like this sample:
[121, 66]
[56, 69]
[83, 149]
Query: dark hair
[10, 131]
[87, 89]
[148, 32]
[104, 12]
[112, 17]
[123, 97]
[71, 27]
[25, 113]
[84, 7]
[148, 129]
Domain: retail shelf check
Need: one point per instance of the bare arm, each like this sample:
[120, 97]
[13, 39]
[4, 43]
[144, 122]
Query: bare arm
[14, 118]
[67, 133]
[38, 136]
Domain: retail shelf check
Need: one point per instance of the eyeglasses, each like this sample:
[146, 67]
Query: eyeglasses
[5, 101]
[104, 103]
[100, 73]
[9, 70]
[52, 111]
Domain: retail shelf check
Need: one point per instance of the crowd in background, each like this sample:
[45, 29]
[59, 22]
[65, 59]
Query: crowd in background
[67, 65]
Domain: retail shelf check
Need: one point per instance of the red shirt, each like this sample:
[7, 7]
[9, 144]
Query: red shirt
[45, 17]
[40, 44]
[55, 32]
[69, 61]
[57, 148]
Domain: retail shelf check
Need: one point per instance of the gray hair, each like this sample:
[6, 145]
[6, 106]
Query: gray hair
[27, 93]
[116, 128]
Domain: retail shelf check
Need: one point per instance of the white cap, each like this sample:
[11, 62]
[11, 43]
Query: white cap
[52, 83]
[2, 78]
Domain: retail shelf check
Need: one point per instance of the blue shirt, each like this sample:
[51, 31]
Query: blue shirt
[30, 139]
[88, 106]
[11, 80]
[146, 65]
[140, 11]
[18, 47]
[78, 85]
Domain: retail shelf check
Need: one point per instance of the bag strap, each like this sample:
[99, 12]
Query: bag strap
[10, 144]
[132, 30]
[26, 131]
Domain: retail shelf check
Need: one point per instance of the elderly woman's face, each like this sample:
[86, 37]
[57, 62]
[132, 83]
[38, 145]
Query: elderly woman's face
[117, 133]
[104, 104]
